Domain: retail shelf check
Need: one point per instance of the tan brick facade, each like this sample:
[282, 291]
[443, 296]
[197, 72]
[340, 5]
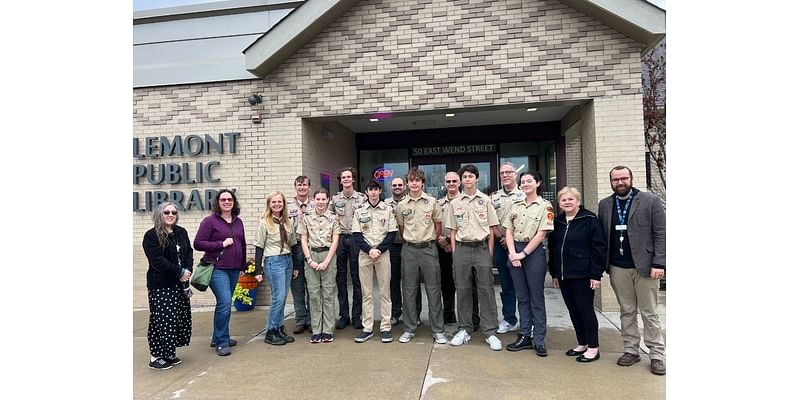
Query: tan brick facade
[388, 55]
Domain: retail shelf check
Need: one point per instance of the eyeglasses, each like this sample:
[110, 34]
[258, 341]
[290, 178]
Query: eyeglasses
[506, 172]
[398, 185]
[623, 179]
[451, 181]
[167, 212]
[226, 200]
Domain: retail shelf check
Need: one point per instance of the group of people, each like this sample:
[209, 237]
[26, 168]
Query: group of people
[309, 245]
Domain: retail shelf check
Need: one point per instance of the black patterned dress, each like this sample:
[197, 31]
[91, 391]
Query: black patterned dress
[170, 310]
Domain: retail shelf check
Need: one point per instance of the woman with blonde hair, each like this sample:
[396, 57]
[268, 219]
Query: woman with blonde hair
[577, 259]
[274, 239]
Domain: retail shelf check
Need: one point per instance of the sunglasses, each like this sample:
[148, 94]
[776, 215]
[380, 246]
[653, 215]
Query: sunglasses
[451, 181]
[170, 212]
[226, 200]
[400, 185]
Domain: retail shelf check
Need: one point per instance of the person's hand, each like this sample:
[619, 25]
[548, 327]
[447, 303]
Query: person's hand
[259, 278]
[447, 248]
[516, 263]
[594, 284]
[295, 273]
[186, 276]
[656, 273]
[227, 242]
[503, 244]
[374, 254]
[555, 283]
[515, 256]
[322, 266]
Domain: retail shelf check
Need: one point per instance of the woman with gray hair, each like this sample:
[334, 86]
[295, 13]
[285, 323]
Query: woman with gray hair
[170, 259]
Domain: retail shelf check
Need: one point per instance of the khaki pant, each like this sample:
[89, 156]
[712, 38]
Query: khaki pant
[638, 293]
[382, 270]
[469, 262]
[425, 262]
[321, 294]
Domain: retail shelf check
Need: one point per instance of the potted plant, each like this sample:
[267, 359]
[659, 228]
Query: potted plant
[244, 295]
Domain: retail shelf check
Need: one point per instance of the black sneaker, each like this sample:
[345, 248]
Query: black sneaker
[274, 338]
[173, 360]
[357, 323]
[231, 343]
[223, 351]
[327, 338]
[342, 323]
[363, 337]
[160, 363]
[315, 339]
[282, 333]
[386, 337]
[541, 351]
[523, 342]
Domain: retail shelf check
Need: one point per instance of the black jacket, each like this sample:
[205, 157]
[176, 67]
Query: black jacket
[164, 270]
[577, 250]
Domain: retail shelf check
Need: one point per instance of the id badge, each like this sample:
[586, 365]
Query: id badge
[621, 227]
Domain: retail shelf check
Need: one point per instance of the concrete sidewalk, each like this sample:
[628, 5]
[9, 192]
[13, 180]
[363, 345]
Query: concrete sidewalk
[419, 369]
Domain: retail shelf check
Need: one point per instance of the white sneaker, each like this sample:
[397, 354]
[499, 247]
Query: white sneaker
[406, 337]
[505, 327]
[494, 343]
[440, 338]
[460, 338]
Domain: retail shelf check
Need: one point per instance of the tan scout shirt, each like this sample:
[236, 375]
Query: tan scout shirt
[527, 219]
[444, 202]
[391, 202]
[374, 222]
[501, 201]
[417, 217]
[471, 216]
[268, 237]
[293, 206]
[344, 207]
[319, 228]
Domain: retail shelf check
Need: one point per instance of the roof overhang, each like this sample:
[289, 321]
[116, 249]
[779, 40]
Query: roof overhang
[292, 33]
[638, 19]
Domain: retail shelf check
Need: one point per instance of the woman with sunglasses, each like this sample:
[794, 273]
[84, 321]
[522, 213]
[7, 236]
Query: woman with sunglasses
[221, 237]
[169, 257]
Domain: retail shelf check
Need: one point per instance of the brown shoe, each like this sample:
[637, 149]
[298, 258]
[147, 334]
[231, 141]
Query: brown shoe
[298, 329]
[657, 367]
[628, 359]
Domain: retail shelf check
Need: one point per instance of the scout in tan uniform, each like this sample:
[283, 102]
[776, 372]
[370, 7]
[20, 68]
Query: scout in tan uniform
[274, 239]
[398, 194]
[419, 219]
[374, 230]
[298, 207]
[452, 183]
[471, 218]
[501, 201]
[319, 237]
[527, 225]
[343, 204]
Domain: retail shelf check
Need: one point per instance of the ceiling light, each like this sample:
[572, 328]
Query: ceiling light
[531, 109]
[449, 115]
[373, 120]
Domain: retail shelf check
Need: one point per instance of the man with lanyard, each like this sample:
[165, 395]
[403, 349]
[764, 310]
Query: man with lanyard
[452, 183]
[297, 208]
[501, 201]
[635, 225]
[419, 218]
[398, 194]
[471, 218]
[343, 205]
[374, 229]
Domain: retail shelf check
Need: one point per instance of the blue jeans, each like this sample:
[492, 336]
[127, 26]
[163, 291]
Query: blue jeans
[223, 281]
[279, 274]
[508, 296]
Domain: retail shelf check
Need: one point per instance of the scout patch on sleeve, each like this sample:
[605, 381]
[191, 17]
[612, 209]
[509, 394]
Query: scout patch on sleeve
[550, 216]
[549, 209]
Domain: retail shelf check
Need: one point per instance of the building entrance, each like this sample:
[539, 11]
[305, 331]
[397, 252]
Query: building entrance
[435, 169]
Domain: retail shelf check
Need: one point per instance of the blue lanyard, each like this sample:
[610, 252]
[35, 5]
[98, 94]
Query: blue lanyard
[622, 215]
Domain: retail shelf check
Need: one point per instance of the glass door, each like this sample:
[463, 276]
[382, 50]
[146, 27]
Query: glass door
[435, 169]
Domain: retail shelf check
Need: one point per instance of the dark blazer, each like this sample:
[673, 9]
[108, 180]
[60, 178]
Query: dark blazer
[647, 230]
[579, 250]
[163, 270]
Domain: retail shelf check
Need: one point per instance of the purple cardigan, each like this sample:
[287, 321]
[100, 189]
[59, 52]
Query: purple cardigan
[212, 232]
